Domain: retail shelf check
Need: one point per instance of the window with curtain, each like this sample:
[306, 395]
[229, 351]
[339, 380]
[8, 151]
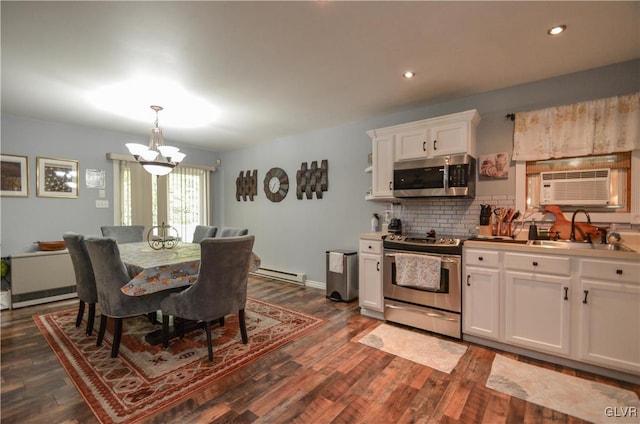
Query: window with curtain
[179, 199]
[584, 137]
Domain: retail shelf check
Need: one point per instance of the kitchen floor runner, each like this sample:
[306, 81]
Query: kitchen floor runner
[588, 400]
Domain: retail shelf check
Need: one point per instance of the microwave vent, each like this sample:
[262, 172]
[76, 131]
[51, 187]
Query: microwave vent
[588, 187]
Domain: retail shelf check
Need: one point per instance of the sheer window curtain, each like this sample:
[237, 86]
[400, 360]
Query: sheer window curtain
[180, 199]
[187, 200]
[594, 127]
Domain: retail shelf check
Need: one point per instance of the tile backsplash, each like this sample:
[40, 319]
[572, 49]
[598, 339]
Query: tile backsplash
[460, 217]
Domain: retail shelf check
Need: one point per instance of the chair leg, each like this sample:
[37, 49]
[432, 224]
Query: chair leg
[91, 319]
[165, 330]
[243, 326]
[103, 328]
[221, 321]
[117, 334]
[80, 313]
[207, 329]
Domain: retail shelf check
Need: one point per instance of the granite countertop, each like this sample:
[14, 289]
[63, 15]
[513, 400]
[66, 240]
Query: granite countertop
[521, 246]
[372, 236]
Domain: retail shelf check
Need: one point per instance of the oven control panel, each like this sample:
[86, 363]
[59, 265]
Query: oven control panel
[439, 241]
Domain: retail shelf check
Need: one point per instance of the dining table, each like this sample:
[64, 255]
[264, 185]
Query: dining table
[170, 269]
[154, 270]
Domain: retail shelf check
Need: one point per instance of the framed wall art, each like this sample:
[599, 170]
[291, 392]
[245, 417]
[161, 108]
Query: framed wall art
[57, 178]
[14, 176]
[494, 166]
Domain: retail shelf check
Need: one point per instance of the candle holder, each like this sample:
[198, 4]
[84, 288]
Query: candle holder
[163, 237]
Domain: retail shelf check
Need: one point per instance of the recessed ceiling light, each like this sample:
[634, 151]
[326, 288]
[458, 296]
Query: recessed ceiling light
[557, 29]
[409, 74]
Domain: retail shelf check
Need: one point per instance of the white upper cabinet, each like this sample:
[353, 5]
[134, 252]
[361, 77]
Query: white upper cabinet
[441, 136]
[412, 143]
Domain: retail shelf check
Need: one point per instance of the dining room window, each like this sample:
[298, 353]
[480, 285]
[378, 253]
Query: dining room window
[179, 199]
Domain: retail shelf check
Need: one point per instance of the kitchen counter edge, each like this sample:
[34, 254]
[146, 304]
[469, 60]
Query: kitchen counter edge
[517, 247]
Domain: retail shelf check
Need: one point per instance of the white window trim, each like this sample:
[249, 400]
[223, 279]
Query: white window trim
[632, 217]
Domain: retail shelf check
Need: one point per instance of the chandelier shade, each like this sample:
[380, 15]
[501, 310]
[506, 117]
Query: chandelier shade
[156, 158]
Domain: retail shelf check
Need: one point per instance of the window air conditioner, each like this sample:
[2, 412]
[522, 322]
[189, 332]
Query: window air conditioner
[588, 187]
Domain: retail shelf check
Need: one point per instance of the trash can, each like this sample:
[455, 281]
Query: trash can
[342, 275]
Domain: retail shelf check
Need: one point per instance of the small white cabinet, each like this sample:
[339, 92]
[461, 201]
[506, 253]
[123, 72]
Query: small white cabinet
[382, 172]
[481, 293]
[610, 314]
[412, 143]
[370, 274]
[454, 134]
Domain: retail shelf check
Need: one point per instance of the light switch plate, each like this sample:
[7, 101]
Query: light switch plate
[102, 194]
[102, 203]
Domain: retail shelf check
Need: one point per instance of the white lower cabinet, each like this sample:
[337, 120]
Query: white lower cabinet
[537, 311]
[370, 274]
[481, 294]
[580, 308]
[610, 314]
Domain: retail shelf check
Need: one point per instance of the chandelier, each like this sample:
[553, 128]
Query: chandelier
[156, 159]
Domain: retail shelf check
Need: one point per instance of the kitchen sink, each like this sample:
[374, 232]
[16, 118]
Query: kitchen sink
[565, 244]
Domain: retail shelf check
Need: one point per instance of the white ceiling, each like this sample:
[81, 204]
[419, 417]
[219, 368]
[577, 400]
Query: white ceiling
[275, 69]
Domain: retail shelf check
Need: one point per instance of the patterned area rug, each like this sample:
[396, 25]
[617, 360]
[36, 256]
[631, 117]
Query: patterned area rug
[144, 379]
[589, 400]
[433, 352]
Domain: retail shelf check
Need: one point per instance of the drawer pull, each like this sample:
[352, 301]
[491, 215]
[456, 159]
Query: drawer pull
[586, 293]
[535, 263]
[424, 146]
[370, 247]
[378, 266]
[619, 271]
[435, 144]
[566, 292]
[480, 258]
[468, 277]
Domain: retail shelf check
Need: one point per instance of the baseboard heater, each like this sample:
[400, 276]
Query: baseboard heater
[291, 277]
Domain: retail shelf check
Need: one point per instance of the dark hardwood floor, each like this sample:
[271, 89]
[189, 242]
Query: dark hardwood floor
[323, 377]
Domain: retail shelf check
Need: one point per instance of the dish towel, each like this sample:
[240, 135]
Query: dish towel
[421, 271]
[336, 262]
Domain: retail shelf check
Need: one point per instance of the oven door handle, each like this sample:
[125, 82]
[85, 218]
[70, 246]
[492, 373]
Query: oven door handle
[430, 313]
[452, 261]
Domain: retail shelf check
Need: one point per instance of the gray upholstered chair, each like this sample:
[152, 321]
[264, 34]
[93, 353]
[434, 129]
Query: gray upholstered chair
[233, 232]
[124, 233]
[202, 232]
[220, 290]
[111, 274]
[85, 279]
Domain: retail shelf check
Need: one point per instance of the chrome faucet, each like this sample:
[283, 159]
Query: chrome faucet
[572, 236]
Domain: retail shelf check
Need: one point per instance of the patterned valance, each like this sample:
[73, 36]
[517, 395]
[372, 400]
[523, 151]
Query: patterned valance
[593, 127]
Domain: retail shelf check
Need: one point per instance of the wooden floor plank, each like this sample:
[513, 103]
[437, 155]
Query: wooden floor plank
[324, 377]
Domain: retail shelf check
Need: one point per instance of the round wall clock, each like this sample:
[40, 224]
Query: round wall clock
[276, 184]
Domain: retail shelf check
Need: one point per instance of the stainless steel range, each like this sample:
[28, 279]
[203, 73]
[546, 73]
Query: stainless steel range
[434, 305]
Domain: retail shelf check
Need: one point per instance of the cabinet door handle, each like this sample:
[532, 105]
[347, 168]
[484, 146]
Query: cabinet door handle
[566, 292]
[424, 146]
[586, 293]
[378, 266]
[535, 263]
[619, 271]
[435, 144]
[390, 185]
[480, 258]
[468, 278]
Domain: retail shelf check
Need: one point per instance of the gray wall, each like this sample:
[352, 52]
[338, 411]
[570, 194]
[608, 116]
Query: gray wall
[294, 234]
[26, 220]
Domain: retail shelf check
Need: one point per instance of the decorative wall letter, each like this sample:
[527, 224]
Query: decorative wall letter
[312, 180]
[247, 185]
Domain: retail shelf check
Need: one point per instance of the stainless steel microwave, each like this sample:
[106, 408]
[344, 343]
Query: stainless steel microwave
[445, 176]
